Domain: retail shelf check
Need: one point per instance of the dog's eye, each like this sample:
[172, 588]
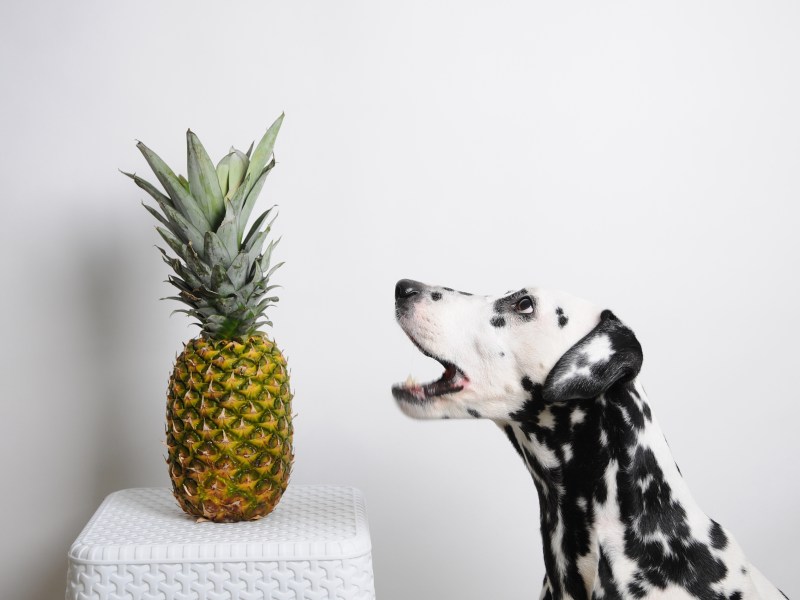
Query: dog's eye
[524, 305]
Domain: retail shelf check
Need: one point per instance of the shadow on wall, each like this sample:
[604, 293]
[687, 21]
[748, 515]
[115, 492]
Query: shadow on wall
[111, 435]
[122, 284]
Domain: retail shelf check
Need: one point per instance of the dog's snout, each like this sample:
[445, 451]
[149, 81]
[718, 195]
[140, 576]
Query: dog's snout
[407, 288]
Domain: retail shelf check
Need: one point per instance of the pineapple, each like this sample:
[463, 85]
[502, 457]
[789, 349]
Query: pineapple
[229, 422]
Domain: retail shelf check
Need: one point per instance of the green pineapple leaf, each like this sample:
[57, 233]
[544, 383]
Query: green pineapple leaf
[150, 189]
[215, 251]
[237, 272]
[228, 230]
[173, 242]
[203, 182]
[252, 196]
[257, 223]
[263, 151]
[180, 196]
[198, 267]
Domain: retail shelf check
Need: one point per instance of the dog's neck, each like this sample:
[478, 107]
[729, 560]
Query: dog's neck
[608, 489]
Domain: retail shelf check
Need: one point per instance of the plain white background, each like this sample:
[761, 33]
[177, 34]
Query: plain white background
[643, 155]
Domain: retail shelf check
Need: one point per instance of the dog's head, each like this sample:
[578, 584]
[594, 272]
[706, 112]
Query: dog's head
[496, 350]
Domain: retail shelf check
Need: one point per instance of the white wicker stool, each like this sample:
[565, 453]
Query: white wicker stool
[139, 545]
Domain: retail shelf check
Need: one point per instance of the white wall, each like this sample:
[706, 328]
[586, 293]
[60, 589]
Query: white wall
[642, 156]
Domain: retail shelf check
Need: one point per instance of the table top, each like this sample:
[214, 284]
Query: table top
[145, 525]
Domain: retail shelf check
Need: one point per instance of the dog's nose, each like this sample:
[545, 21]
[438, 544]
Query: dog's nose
[406, 288]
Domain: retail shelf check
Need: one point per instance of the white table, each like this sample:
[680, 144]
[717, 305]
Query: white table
[139, 545]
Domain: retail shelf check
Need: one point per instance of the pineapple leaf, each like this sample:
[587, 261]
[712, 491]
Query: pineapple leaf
[198, 267]
[180, 196]
[181, 284]
[249, 150]
[184, 182]
[270, 272]
[237, 272]
[257, 223]
[183, 229]
[215, 251]
[223, 167]
[237, 171]
[262, 306]
[159, 217]
[253, 248]
[238, 196]
[223, 327]
[203, 182]
[160, 198]
[171, 261]
[150, 189]
[247, 290]
[254, 244]
[220, 281]
[266, 257]
[263, 150]
[228, 306]
[185, 277]
[228, 230]
[188, 311]
[174, 243]
[172, 220]
[252, 195]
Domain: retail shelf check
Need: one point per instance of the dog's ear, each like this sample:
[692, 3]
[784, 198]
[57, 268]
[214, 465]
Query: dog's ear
[607, 354]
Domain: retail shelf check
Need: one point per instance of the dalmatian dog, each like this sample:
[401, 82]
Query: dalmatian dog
[559, 376]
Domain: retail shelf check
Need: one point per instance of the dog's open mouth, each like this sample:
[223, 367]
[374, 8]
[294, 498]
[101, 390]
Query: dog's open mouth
[452, 380]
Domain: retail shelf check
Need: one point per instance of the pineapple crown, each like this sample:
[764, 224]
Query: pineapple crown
[222, 275]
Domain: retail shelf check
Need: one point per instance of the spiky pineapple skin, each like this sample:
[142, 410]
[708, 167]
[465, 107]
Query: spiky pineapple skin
[229, 428]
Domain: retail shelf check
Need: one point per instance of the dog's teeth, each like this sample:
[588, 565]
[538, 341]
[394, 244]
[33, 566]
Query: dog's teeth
[410, 381]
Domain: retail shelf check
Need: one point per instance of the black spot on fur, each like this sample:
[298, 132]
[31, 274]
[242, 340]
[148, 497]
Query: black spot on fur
[498, 321]
[465, 293]
[507, 304]
[655, 508]
[635, 589]
[718, 538]
[527, 384]
[436, 296]
[474, 413]
[735, 596]
[645, 498]
[509, 431]
[502, 354]
[610, 591]
[449, 289]
[562, 320]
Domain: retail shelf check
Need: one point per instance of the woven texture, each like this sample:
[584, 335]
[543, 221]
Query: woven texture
[140, 546]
